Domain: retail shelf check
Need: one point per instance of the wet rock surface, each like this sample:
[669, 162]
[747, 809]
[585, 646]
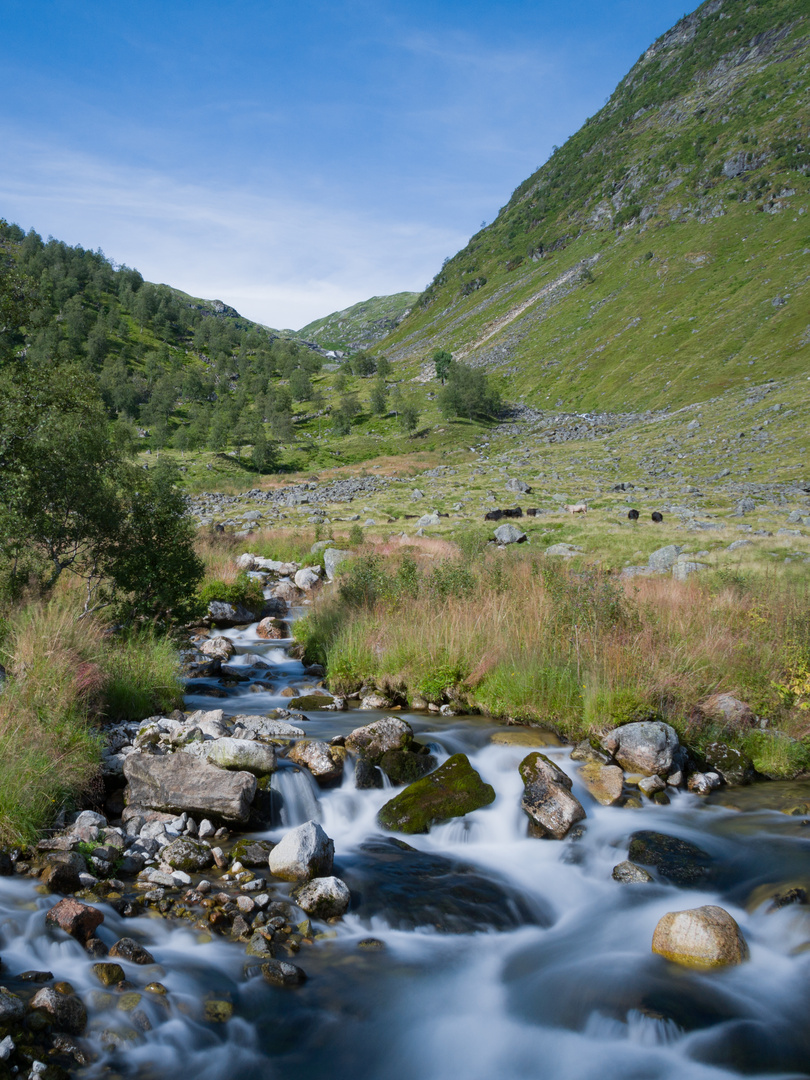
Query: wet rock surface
[453, 790]
[675, 859]
[547, 799]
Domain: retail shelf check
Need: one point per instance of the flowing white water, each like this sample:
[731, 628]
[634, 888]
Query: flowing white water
[503, 956]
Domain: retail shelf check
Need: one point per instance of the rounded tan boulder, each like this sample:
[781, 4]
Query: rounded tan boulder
[704, 937]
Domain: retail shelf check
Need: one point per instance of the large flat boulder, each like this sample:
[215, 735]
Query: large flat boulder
[453, 790]
[179, 782]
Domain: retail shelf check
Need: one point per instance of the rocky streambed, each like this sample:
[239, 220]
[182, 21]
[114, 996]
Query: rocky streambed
[274, 884]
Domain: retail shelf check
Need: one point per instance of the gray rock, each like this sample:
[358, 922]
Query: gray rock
[11, 1007]
[630, 874]
[322, 760]
[510, 534]
[562, 551]
[547, 798]
[224, 614]
[737, 544]
[219, 648]
[604, 782]
[704, 783]
[66, 1011]
[728, 710]
[187, 854]
[308, 578]
[650, 747]
[650, 785]
[518, 486]
[332, 558]
[374, 740]
[428, 519]
[269, 727]
[181, 782]
[664, 558]
[302, 854]
[89, 818]
[744, 506]
[682, 570]
[239, 754]
[323, 897]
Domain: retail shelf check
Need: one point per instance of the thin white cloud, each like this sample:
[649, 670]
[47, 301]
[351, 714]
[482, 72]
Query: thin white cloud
[278, 258]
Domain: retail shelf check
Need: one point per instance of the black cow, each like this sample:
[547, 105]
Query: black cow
[632, 515]
[657, 517]
[496, 515]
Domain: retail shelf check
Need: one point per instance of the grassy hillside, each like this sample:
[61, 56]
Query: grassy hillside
[361, 325]
[659, 258]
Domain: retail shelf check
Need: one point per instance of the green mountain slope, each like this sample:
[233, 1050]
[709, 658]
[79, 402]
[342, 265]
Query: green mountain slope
[361, 325]
[659, 258]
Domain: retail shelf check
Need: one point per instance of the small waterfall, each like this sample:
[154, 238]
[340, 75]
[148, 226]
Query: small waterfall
[297, 795]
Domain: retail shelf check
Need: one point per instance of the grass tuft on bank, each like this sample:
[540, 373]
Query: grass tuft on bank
[66, 677]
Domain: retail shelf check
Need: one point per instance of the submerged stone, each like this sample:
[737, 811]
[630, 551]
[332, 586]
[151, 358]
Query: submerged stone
[409, 889]
[453, 790]
[683, 863]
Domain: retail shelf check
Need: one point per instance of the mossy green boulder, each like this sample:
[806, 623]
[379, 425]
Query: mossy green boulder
[453, 790]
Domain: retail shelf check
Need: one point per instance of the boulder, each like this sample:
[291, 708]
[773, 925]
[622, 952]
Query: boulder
[224, 614]
[218, 648]
[664, 558]
[237, 754]
[332, 558]
[562, 551]
[308, 578]
[510, 534]
[731, 764]
[704, 937]
[270, 628]
[678, 860]
[683, 569]
[518, 486]
[285, 593]
[187, 854]
[704, 783]
[181, 782]
[247, 561]
[270, 727]
[547, 798]
[61, 878]
[323, 897]
[649, 746]
[302, 853]
[426, 520]
[75, 918]
[604, 782]
[453, 790]
[323, 761]
[65, 1011]
[728, 710]
[374, 740]
[375, 701]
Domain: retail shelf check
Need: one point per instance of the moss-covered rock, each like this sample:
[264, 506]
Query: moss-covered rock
[403, 767]
[453, 790]
[187, 854]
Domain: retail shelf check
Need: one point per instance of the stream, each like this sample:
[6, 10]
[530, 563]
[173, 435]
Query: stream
[474, 951]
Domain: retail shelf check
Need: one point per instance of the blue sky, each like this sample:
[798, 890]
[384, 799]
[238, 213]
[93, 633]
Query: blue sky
[292, 158]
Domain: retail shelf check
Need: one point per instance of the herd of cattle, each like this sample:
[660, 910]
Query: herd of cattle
[575, 508]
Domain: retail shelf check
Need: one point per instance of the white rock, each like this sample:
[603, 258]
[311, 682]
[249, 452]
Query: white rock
[323, 897]
[303, 853]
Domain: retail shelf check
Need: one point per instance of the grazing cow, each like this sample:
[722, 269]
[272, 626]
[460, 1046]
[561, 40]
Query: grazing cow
[532, 512]
[632, 515]
[657, 517]
[576, 508]
[496, 515]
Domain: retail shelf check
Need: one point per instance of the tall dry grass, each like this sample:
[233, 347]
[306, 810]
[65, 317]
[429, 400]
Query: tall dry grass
[66, 678]
[526, 638]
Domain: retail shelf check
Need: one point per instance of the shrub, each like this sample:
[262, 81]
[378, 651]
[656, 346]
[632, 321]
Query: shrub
[244, 590]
